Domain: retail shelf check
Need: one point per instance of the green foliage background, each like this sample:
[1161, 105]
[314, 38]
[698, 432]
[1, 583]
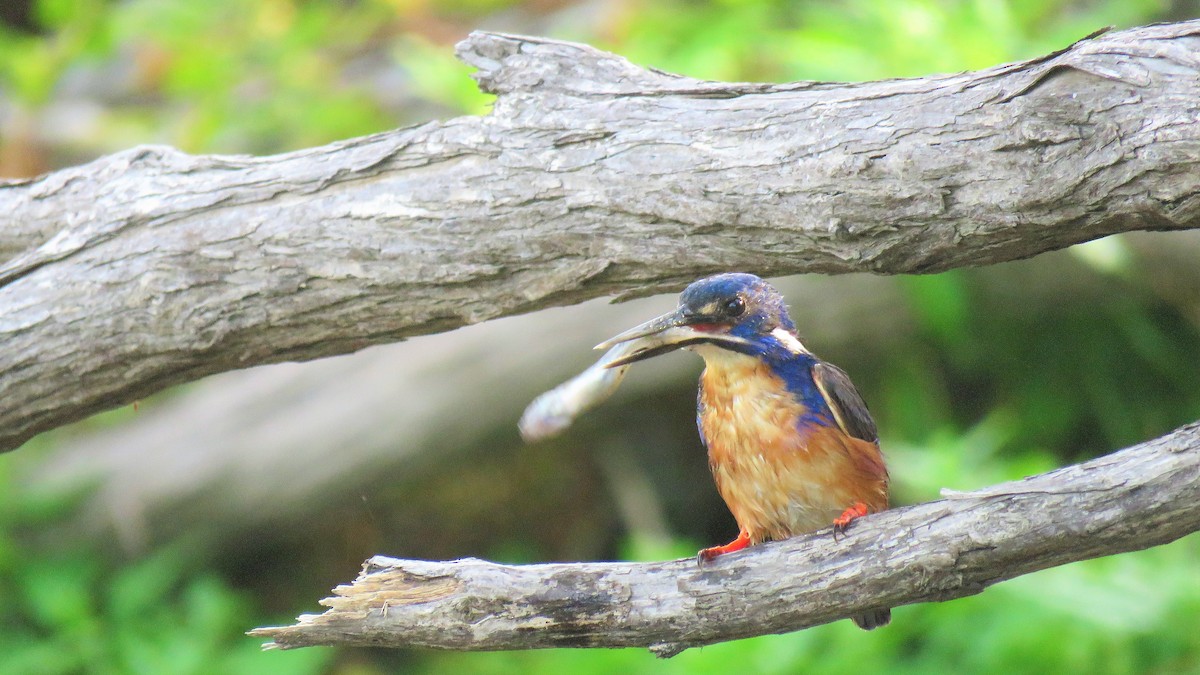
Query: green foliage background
[274, 75]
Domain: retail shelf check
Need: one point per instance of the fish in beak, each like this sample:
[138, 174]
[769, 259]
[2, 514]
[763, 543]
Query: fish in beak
[667, 333]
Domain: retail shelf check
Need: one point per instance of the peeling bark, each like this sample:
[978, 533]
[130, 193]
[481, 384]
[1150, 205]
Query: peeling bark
[592, 176]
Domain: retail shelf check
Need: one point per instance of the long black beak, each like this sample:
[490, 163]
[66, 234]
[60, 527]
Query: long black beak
[664, 334]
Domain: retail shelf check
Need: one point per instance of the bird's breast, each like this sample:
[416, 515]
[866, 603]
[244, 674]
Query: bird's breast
[781, 467]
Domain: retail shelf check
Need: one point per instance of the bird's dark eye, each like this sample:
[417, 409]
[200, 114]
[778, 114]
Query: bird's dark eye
[734, 307]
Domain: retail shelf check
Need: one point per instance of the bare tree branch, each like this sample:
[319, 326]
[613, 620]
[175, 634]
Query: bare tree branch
[591, 176]
[1133, 499]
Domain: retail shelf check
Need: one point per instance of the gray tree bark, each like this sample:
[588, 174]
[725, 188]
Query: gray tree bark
[1129, 500]
[591, 176]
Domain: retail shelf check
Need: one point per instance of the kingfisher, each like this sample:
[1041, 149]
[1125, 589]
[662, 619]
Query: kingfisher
[790, 442]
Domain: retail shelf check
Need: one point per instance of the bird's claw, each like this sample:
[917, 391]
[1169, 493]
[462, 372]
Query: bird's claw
[842, 522]
[707, 555]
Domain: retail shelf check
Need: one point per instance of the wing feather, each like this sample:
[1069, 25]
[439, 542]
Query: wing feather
[855, 421]
[848, 407]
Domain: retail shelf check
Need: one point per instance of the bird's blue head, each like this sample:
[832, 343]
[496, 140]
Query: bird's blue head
[732, 311]
[743, 303]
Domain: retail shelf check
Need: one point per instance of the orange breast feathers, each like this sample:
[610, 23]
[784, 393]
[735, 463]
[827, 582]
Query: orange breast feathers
[780, 471]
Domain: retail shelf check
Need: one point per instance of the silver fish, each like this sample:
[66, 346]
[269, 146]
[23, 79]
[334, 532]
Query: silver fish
[555, 410]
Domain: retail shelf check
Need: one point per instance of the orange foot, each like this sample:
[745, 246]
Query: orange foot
[842, 522]
[707, 554]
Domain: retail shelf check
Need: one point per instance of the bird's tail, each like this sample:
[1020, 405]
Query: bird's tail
[873, 619]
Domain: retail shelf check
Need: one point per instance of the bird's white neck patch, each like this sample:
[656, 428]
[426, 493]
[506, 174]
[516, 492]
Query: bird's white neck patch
[791, 342]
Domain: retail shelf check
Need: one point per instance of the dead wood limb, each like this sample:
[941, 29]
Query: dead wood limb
[1133, 499]
[591, 176]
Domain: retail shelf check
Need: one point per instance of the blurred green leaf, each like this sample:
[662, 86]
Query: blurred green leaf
[139, 588]
[58, 594]
[985, 391]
